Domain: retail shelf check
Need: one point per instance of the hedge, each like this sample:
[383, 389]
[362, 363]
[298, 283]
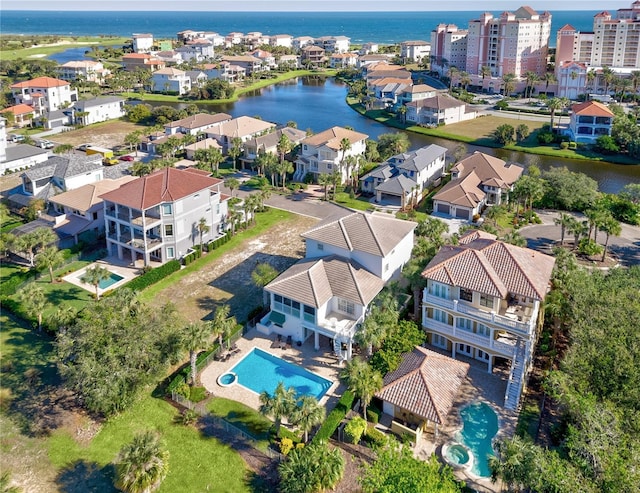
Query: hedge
[355, 429]
[153, 276]
[335, 417]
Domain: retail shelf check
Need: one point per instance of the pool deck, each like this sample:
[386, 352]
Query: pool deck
[112, 264]
[320, 362]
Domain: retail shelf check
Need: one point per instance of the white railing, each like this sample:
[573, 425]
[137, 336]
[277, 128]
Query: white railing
[462, 335]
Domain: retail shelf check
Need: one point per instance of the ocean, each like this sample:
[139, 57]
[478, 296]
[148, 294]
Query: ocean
[361, 27]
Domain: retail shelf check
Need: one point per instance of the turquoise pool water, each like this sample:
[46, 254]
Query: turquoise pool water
[260, 371]
[110, 281]
[480, 425]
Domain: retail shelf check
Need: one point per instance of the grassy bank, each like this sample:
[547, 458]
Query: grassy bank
[477, 132]
[259, 84]
[66, 43]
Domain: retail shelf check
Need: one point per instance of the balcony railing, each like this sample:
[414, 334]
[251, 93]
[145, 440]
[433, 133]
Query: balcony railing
[479, 341]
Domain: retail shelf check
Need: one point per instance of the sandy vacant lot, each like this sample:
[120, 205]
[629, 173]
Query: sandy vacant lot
[106, 134]
[228, 280]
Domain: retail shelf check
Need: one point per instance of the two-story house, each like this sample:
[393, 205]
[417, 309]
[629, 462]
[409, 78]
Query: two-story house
[142, 42]
[327, 294]
[197, 50]
[407, 175]
[333, 44]
[589, 120]
[312, 56]
[284, 40]
[194, 124]
[88, 70]
[143, 61]
[324, 153]
[249, 63]
[439, 110]
[483, 300]
[266, 57]
[343, 60]
[414, 51]
[155, 217]
[44, 94]
[269, 142]
[170, 80]
[476, 181]
[243, 128]
[224, 71]
[98, 109]
[62, 173]
[79, 213]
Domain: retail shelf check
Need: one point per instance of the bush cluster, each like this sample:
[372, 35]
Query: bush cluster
[355, 429]
[152, 276]
[335, 417]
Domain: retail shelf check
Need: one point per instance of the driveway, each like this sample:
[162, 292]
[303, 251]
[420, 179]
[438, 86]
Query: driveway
[543, 237]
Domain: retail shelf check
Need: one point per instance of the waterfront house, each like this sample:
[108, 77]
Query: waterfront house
[342, 60]
[169, 57]
[196, 50]
[267, 58]
[322, 153]
[313, 56]
[284, 40]
[143, 61]
[406, 176]
[44, 94]
[289, 62]
[483, 300]
[414, 51]
[438, 110]
[225, 71]
[333, 44]
[415, 92]
[87, 70]
[243, 127]
[194, 124]
[155, 217]
[198, 77]
[254, 39]
[476, 181]
[301, 41]
[347, 263]
[589, 120]
[79, 213]
[100, 109]
[142, 42]
[170, 80]
[249, 63]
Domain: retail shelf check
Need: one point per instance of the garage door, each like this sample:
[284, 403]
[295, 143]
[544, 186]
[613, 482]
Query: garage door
[443, 208]
[462, 214]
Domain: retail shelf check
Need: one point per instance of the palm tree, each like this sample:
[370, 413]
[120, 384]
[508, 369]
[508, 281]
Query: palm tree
[62, 318]
[372, 333]
[577, 229]
[34, 300]
[211, 157]
[31, 242]
[203, 229]
[564, 221]
[324, 180]
[548, 78]
[279, 405]
[307, 414]
[515, 238]
[222, 325]
[635, 80]
[196, 337]
[508, 81]
[591, 77]
[610, 226]
[282, 168]
[50, 258]
[555, 104]
[495, 213]
[531, 78]
[94, 276]
[512, 462]
[362, 380]
[465, 80]
[142, 465]
[345, 146]
[314, 468]
[607, 77]
[284, 146]
[232, 184]
[132, 140]
[485, 71]
[235, 150]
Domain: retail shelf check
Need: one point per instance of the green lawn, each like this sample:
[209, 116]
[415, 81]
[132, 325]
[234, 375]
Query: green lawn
[247, 419]
[197, 462]
[77, 42]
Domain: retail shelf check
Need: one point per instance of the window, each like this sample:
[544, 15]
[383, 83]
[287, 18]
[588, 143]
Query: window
[346, 306]
[167, 209]
[483, 330]
[286, 305]
[170, 252]
[320, 246]
[439, 341]
[486, 301]
[168, 229]
[440, 290]
[309, 314]
[466, 294]
[440, 316]
[465, 324]
[95, 216]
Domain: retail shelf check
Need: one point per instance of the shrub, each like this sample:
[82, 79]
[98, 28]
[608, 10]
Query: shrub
[375, 437]
[183, 389]
[284, 433]
[176, 383]
[573, 145]
[564, 145]
[187, 417]
[197, 394]
[373, 414]
[589, 247]
[335, 417]
[286, 445]
[152, 277]
[355, 429]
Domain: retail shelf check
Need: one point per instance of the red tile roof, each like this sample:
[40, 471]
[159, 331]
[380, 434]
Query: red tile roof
[165, 185]
[19, 109]
[41, 82]
[425, 384]
[592, 108]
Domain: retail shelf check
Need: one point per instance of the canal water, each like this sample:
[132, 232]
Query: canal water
[318, 103]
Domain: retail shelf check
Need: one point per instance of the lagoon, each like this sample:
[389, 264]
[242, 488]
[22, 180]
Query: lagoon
[317, 103]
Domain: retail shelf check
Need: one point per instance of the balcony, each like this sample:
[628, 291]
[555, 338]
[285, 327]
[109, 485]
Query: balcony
[515, 318]
[502, 343]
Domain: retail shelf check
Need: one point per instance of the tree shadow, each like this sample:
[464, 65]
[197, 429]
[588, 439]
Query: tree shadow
[86, 477]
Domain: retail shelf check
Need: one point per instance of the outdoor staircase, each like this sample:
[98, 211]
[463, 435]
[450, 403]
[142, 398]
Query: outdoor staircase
[516, 376]
[337, 348]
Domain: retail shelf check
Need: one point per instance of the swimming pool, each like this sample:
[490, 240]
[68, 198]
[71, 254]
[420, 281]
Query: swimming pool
[110, 281]
[480, 425]
[259, 371]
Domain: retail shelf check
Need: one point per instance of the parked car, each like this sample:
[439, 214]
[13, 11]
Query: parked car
[110, 161]
[126, 158]
[46, 144]
[15, 138]
[83, 147]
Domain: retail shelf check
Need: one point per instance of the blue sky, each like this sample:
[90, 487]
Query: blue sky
[310, 6]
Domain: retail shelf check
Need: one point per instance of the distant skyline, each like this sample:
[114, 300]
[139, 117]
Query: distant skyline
[315, 6]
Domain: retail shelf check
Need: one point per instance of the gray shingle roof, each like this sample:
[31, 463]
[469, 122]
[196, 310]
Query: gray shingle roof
[420, 158]
[376, 234]
[90, 103]
[397, 185]
[315, 281]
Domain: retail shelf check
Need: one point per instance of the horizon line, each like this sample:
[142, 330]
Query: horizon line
[285, 11]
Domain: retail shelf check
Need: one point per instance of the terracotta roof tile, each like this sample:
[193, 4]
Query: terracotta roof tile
[592, 108]
[332, 137]
[41, 82]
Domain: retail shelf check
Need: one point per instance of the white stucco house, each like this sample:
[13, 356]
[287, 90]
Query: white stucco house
[328, 293]
[98, 109]
[170, 80]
